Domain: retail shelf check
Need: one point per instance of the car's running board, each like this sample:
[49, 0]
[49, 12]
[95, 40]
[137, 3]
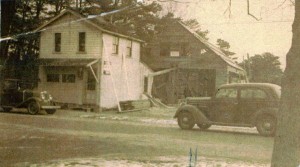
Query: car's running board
[231, 124]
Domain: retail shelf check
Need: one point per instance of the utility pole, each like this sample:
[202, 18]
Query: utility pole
[249, 67]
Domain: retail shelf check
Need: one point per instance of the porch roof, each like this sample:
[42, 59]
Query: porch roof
[65, 62]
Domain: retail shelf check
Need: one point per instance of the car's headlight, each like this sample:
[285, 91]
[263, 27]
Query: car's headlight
[50, 97]
[43, 96]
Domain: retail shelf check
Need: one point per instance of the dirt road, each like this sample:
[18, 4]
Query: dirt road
[73, 138]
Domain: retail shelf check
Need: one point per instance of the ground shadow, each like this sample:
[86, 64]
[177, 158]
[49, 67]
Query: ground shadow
[226, 131]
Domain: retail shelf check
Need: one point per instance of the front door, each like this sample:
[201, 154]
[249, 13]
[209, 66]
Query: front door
[91, 86]
[225, 106]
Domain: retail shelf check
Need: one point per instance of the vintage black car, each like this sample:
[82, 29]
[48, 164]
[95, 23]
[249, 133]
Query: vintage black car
[17, 94]
[244, 105]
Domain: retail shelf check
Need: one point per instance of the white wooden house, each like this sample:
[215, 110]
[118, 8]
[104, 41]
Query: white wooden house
[89, 62]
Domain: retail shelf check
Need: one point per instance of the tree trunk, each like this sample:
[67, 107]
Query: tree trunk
[286, 152]
[7, 13]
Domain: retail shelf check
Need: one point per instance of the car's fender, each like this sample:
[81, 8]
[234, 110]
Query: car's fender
[266, 111]
[27, 101]
[197, 114]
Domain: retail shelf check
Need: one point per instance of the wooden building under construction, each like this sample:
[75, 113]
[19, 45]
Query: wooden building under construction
[187, 65]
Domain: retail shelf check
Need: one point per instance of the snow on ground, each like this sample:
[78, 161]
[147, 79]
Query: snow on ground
[159, 162]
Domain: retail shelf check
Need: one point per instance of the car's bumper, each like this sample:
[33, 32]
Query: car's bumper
[50, 107]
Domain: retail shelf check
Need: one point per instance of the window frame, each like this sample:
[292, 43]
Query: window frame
[64, 78]
[116, 43]
[82, 42]
[53, 81]
[57, 42]
[129, 49]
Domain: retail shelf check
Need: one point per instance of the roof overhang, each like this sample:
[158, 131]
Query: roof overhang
[66, 62]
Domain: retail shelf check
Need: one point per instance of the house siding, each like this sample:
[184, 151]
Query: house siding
[123, 83]
[70, 39]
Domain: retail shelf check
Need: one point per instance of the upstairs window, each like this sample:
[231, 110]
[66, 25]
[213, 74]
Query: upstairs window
[129, 49]
[57, 41]
[81, 42]
[115, 48]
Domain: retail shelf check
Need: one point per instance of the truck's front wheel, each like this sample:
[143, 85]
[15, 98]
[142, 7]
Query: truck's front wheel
[186, 120]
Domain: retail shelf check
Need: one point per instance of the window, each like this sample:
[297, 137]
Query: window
[174, 53]
[81, 42]
[253, 94]
[227, 93]
[129, 49]
[115, 45]
[68, 78]
[52, 77]
[57, 41]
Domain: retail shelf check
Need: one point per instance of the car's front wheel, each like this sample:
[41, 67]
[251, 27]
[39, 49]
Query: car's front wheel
[50, 111]
[204, 126]
[266, 125]
[33, 107]
[186, 120]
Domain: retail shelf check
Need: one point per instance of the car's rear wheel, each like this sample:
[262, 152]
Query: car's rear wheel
[204, 126]
[7, 109]
[186, 120]
[266, 125]
[33, 107]
[50, 111]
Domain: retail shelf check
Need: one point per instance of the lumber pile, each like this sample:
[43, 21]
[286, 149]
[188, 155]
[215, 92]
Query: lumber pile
[134, 105]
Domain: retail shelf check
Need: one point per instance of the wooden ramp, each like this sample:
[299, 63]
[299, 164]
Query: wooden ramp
[156, 102]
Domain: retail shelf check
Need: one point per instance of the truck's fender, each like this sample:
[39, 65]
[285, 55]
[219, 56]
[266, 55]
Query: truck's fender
[266, 111]
[197, 114]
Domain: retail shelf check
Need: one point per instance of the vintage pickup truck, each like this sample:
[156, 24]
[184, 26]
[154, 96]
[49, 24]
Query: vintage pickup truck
[244, 105]
[16, 94]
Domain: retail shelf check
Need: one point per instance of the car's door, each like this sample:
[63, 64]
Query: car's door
[251, 101]
[225, 105]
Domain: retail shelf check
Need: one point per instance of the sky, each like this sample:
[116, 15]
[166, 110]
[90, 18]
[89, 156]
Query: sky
[272, 33]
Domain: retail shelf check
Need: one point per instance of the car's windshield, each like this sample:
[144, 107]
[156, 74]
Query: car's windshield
[14, 84]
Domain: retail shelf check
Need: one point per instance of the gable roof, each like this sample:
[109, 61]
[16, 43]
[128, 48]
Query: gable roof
[96, 22]
[212, 47]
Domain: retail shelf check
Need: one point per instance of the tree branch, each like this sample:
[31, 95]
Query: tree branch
[228, 9]
[250, 14]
